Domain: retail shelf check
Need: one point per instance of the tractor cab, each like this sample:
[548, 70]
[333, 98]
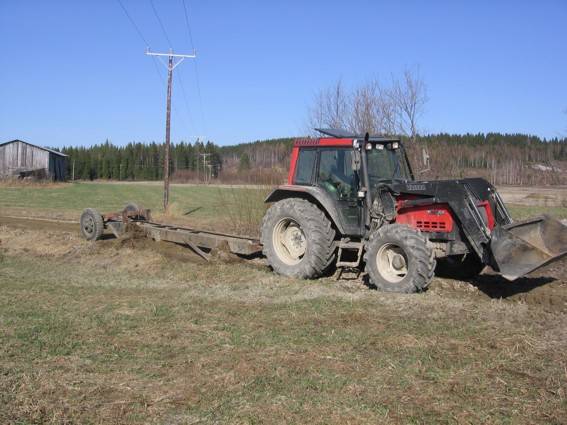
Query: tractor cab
[336, 162]
[336, 167]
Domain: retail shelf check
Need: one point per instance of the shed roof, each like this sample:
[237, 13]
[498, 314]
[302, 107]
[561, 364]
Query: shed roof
[35, 146]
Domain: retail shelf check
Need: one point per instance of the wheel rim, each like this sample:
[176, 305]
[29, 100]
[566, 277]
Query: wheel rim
[392, 263]
[289, 241]
[88, 225]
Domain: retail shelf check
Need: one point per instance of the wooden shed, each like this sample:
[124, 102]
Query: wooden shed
[21, 159]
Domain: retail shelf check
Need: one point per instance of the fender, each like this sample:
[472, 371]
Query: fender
[313, 194]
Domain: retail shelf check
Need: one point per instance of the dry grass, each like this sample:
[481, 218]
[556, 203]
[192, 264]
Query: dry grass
[244, 208]
[31, 183]
[129, 332]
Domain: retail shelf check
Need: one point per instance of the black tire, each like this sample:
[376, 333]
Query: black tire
[313, 233]
[141, 213]
[398, 259]
[92, 224]
[459, 267]
[131, 207]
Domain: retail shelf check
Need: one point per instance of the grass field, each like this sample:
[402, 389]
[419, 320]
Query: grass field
[236, 208]
[130, 331]
[123, 332]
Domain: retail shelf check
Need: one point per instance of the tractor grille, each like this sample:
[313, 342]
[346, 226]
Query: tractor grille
[431, 226]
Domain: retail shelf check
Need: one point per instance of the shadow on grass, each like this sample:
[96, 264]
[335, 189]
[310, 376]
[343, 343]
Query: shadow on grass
[496, 286]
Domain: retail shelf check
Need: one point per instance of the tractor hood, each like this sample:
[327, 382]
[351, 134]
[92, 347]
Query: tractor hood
[512, 248]
[444, 189]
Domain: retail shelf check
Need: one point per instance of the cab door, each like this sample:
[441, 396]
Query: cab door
[336, 176]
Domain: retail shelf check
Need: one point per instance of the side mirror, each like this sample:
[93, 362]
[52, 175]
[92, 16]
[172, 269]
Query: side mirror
[355, 160]
[425, 156]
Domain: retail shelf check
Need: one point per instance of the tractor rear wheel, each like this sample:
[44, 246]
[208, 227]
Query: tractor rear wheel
[92, 224]
[297, 239]
[398, 259]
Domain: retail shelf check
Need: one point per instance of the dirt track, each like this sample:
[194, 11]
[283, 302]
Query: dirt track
[544, 289]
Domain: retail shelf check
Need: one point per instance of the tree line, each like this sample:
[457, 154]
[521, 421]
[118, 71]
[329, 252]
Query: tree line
[515, 159]
[142, 161]
[507, 159]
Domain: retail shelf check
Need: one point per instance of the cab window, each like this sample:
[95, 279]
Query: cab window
[336, 175]
[305, 166]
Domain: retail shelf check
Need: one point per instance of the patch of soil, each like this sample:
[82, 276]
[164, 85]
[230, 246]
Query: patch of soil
[40, 224]
[545, 288]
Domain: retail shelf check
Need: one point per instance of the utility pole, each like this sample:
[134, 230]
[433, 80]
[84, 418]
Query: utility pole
[171, 64]
[205, 165]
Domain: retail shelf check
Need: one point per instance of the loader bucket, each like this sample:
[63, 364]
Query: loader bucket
[522, 247]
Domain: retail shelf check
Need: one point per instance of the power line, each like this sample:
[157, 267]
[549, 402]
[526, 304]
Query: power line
[190, 34]
[188, 25]
[154, 60]
[200, 98]
[176, 112]
[161, 24]
[141, 35]
[166, 35]
[133, 24]
[185, 98]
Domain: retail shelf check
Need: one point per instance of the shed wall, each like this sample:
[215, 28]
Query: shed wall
[18, 156]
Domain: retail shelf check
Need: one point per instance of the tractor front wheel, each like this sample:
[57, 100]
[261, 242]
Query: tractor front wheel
[297, 239]
[398, 259]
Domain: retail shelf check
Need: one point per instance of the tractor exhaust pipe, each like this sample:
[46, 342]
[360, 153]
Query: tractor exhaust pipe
[524, 246]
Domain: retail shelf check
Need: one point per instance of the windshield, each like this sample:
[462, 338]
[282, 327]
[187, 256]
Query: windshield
[387, 164]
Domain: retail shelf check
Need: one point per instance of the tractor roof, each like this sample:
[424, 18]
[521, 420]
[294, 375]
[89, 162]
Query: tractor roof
[339, 137]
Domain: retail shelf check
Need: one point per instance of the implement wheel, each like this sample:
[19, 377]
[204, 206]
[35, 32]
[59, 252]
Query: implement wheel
[398, 259]
[297, 239]
[92, 224]
[132, 207]
[141, 213]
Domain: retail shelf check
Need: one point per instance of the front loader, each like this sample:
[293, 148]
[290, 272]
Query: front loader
[353, 202]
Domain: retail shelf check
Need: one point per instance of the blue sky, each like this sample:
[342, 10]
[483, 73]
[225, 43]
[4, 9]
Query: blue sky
[74, 72]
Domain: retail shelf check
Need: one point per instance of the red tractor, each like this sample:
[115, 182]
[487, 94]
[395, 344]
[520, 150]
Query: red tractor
[352, 201]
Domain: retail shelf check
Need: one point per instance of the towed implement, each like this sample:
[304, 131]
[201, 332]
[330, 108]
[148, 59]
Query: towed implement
[201, 241]
[352, 202]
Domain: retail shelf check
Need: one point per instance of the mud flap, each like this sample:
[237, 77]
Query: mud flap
[524, 246]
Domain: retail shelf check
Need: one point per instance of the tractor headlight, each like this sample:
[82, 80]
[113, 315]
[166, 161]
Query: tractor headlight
[368, 146]
[395, 145]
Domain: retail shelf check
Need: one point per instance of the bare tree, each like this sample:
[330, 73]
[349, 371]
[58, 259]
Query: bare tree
[363, 115]
[330, 108]
[409, 95]
[336, 106]
[316, 117]
[388, 112]
[372, 107]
